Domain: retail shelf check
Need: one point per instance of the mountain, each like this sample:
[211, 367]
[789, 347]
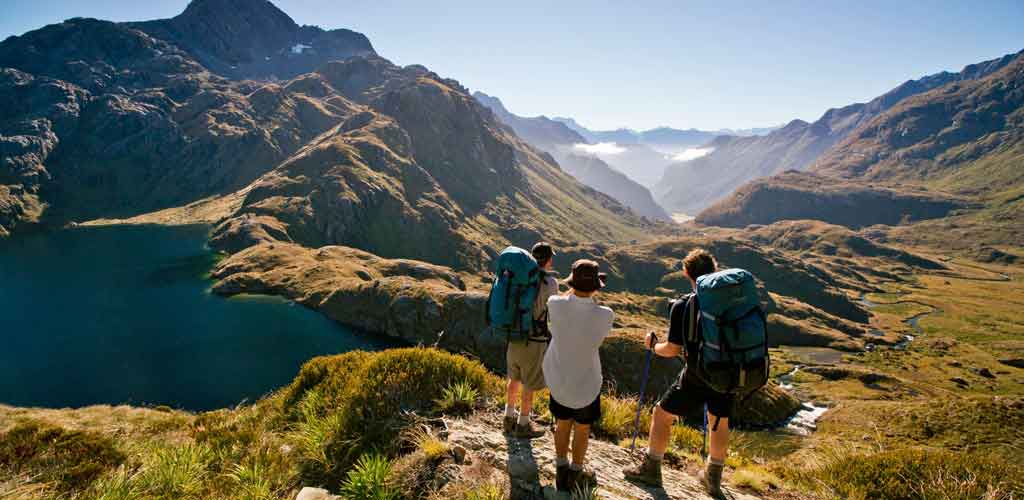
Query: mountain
[563, 143]
[665, 139]
[253, 39]
[113, 120]
[963, 140]
[693, 185]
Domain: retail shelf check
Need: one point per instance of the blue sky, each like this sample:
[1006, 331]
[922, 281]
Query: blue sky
[644, 64]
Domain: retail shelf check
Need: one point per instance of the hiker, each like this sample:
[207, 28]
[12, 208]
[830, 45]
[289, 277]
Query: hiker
[524, 358]
[691, 393]
[572, 369]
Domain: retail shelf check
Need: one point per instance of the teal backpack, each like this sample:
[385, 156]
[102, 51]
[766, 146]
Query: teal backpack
[732, 354]
[510, 303]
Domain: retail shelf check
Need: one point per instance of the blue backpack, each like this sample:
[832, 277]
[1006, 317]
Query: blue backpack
[732, 355]
[510, 303]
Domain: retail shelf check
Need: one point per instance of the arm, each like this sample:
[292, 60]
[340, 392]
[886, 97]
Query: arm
[673, 346]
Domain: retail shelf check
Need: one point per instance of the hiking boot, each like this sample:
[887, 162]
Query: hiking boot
[648, 472]
[509, 424]
[527, 431]
[712, 479]
[562, 475]
[582, 480]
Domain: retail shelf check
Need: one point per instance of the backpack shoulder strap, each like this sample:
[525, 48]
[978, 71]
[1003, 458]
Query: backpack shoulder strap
[691, 318]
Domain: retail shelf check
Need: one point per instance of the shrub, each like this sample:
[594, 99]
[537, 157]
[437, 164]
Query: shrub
[368, 480]
[458, 399]
[350, 404]
[911, 474]
[71, 460]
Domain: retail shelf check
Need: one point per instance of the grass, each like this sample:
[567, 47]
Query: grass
[69, 460]
[368, 480]
[910, 474]
[459, 398]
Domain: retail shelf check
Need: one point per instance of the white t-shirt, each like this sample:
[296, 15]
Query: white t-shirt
[572, 366]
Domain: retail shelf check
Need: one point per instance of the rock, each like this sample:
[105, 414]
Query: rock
[531, 465]
[459, 453]
[309, 493]
[1015, 362]
[870, 346]
[955, 364]
[959, 381]
[984, 372]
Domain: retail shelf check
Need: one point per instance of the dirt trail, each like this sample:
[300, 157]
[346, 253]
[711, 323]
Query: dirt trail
[531, 465]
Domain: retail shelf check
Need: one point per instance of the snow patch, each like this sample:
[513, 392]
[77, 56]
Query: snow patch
[300, 47]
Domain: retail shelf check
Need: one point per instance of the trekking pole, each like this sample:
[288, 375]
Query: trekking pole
[643, 389]
[704, 447]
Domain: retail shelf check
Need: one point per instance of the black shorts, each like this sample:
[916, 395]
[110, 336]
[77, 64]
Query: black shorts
[689, 395]
[587, 415]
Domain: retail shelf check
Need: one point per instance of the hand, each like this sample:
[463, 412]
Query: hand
[651, 340]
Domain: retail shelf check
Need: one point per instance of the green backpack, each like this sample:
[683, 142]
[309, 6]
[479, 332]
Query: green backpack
[510, 303]
[732, 354]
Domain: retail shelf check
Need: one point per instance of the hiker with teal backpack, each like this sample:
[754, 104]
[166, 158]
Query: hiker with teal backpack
[517, 309]
[720, 330]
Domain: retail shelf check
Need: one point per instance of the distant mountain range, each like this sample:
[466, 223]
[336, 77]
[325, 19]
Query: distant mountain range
[693, 185]
[662, 138]
[952, 152]
[563, 143]
[231, 112]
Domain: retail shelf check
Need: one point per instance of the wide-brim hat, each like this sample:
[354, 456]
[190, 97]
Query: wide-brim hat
[586, 276]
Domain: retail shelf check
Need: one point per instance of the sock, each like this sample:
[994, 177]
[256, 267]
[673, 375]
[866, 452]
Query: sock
[561, 461]
[524, 419]
[576, 467]
[713, 461]
[655, 456]
[510, 411]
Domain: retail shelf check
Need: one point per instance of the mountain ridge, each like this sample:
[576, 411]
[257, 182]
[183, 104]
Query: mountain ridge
[696, 184]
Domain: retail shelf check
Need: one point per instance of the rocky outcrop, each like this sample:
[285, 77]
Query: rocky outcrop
[802, 195]
[254, 39]
[529, 466]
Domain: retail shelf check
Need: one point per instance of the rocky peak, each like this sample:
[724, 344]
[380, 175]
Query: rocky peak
[254, 39]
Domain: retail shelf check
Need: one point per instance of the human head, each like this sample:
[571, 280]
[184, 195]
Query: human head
[697, 263]
[586, 278]
[543, 254]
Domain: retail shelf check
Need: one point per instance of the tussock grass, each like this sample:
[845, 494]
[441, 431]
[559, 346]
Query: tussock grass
[485, 491]
[458, 399]
[910, 473]
[368, 480]
[756, 478]
[68, 460]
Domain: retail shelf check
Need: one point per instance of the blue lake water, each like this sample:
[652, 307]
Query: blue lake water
[123, 314]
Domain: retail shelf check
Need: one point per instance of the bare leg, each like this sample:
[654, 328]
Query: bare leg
[718, 439]
[512, 392]
[563, 429]
[580, 440]
[661, 430]
[526, 405]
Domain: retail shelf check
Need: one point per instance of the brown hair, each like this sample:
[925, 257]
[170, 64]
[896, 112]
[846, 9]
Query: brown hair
[699, 262]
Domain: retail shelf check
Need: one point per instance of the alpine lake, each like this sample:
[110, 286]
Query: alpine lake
[123, 315]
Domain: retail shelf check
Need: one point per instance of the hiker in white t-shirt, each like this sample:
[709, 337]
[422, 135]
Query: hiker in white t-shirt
[572, 369]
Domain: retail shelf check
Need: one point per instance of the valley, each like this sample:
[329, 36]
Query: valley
[264, 250]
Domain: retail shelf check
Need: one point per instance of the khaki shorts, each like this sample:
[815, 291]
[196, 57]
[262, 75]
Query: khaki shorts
[524, 363]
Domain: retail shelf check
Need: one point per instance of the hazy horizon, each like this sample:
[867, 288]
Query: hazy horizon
[613, 66]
